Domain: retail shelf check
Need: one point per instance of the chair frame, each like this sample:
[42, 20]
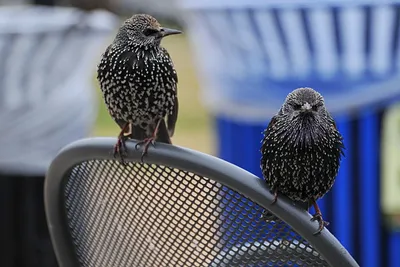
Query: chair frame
[189, 160]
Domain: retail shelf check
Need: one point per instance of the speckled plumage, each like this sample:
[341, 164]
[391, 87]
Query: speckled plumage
[139, 82]
[301, 148]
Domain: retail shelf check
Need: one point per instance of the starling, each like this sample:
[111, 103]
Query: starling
[301, 150]
[139, 83]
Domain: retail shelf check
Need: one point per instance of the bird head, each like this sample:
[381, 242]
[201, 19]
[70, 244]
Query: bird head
[144, 30]
[303, 103]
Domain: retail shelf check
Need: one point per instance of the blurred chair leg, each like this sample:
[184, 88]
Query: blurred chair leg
[7, 208]
[44, 244]
[44, 2]
[28, 223]
[26, 241]
[36, 244]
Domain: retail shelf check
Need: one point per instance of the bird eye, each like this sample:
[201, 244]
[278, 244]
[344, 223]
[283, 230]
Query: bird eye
[316, 106]
[296, 106]
[150, 31]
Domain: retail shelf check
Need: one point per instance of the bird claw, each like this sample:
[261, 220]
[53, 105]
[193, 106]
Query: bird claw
[264, 215]
[322, 223]
[120, 150]
[269, 217]
[275, 197]
[146, 142]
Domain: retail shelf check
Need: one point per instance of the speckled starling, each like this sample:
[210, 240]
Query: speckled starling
[139, 83]
[301, 150]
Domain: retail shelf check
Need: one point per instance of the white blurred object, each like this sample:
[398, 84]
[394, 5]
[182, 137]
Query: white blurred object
[47, 95]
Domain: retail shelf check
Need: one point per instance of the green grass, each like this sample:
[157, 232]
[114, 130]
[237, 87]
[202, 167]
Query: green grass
[194, 126]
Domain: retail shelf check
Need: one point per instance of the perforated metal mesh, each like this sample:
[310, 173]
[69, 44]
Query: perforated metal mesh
[148, 215]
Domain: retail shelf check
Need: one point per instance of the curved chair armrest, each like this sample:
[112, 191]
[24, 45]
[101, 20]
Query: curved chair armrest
[202, 164]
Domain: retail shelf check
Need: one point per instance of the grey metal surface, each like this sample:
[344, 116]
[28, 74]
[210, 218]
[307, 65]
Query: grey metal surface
[216, 169]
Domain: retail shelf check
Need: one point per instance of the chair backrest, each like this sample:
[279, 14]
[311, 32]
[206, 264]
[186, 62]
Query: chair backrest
[347, 50]
[178, 208]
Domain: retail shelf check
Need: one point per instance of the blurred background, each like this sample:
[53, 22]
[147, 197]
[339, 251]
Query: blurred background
[236, 63]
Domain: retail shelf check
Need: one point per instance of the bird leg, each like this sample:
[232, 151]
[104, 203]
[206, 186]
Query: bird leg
[148, 141]
[265, 213]
[120, 146]
[318, 217]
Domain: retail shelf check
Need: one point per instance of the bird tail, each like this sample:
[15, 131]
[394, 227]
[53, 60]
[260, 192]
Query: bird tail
[139, 133]
[163, 133]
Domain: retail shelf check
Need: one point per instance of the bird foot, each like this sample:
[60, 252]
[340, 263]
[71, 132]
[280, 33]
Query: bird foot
[146, 142]
[322, 223]
[275, 197]
[120, 150]
[265, 214]
[268, 217]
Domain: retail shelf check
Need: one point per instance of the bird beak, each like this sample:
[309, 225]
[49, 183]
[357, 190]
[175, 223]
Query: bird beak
[166, 32]
[306, 107]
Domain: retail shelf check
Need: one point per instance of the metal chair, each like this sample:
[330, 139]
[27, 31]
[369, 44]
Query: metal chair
[178, 208]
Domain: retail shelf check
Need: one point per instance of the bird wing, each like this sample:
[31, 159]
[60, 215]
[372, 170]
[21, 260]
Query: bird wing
[173, 116]
[340, 143]
[174, 74]
[268, 129]
[264, 145]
